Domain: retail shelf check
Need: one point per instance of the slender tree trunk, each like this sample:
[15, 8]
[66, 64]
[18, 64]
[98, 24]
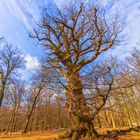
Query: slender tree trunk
[30, 112]
[59, 117]
[2, 93]
[125, 104]
[15, 123]
[127, 111]
[135, 106]
[99, 122]
[46, 118]
[111, 115]
[112, 120]
[10, 123]
[106, 118]
[29, 117]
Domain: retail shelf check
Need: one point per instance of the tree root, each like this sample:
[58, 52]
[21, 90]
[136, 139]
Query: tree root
[76, 134]
[68, 134]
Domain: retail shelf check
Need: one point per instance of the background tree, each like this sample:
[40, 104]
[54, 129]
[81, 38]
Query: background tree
[15, 95]
[50, 110]
[40, 80]
[10, 61]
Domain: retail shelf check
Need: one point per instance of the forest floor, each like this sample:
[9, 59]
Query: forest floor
[106, 134]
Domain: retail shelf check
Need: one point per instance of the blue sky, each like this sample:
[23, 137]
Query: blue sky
[18, 17]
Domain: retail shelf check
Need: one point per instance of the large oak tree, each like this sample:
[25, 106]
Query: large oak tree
[75, 37]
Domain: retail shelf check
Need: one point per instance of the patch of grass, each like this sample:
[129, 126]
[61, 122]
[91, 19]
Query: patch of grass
[129, 137]
[134, 133]
[32, 136]
[53, 135]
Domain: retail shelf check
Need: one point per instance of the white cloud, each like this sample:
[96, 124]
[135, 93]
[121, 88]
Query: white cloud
[31, 8]
[62, 3]
[104, 2]
[32, 63]
[129, 13]
[17, 12]
[26, 11]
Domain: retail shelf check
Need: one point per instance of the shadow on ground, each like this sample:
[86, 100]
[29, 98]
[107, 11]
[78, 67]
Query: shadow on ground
[113, 135]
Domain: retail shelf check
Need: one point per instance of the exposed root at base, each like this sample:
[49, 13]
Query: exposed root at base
[76, 134]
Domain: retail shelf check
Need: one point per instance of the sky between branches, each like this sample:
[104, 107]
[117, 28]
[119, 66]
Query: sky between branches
[19, 17]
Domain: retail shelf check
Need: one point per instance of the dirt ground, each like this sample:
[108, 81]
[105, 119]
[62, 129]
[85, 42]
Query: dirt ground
[105, 134]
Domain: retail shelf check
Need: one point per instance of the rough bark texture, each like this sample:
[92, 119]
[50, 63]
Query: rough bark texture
[70, 37]
[81, 121]
[2, 93]
[29, 116]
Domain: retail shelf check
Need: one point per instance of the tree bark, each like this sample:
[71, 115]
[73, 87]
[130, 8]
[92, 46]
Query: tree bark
[81, 120]
[99, 121]
[106, 119]
[29, 117]
[2, 93]
[111, 115]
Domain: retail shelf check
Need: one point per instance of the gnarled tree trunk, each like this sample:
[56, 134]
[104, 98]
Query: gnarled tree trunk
[81, 120]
